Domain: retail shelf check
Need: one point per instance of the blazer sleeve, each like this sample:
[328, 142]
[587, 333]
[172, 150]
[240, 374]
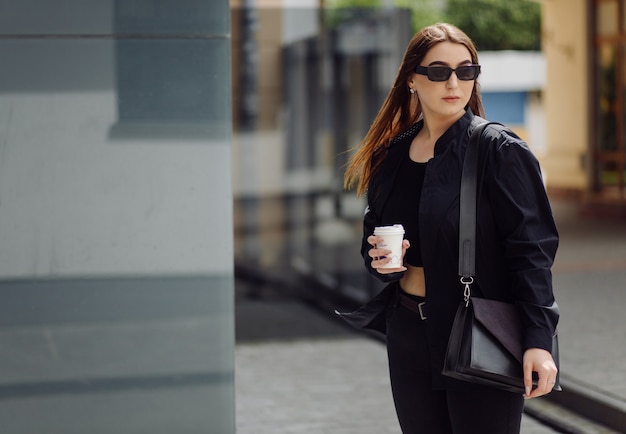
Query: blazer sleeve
[528, 232]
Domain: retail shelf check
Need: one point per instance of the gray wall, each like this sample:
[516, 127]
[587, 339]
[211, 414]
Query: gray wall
[116, 280]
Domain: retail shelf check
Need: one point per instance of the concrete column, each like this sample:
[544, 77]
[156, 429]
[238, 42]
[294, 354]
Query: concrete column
[565, 41]
[116, 248]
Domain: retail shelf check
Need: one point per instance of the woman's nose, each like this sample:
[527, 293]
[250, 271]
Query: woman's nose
[452, 81]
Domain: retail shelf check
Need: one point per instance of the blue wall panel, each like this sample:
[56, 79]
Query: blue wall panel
[505, 107]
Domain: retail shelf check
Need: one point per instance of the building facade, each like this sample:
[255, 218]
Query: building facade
[581, 132]
[584, 44]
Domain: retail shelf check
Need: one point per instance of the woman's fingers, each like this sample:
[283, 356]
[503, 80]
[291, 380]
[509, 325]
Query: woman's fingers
[375, 252]
[539, 361]
[373, 240]
[405, 246]
[380, 258]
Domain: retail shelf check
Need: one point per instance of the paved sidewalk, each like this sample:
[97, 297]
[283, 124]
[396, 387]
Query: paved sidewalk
[319, 387]
[590, 286]
[298, 372]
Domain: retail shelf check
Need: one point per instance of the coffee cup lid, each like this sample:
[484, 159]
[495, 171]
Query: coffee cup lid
[395, 229]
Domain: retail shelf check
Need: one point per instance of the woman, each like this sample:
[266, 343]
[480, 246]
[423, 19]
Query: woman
[409, 163]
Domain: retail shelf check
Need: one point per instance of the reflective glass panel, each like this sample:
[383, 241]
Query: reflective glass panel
[109, 17]
[607, 139]
[117, 312]
[607, 17]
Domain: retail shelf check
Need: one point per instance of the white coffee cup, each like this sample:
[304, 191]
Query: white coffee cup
[392, 240]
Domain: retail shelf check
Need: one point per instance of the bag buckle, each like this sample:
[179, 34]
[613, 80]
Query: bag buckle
[420, 307]
[467, 281]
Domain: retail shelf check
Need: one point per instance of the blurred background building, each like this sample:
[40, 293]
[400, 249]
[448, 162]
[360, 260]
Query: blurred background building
[118, 168]
[583, 42]
[319, 84]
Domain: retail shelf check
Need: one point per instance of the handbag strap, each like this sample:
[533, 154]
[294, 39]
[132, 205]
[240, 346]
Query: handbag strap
[467, 205]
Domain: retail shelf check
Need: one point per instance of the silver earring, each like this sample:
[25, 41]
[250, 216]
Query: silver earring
[411, 90]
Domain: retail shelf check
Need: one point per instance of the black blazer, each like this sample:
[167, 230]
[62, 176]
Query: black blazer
[516, 236]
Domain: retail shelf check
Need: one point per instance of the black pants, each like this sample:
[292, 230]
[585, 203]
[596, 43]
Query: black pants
[420, 409]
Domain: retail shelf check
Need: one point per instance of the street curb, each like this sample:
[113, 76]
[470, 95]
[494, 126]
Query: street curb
[592, 403]
[535, 409]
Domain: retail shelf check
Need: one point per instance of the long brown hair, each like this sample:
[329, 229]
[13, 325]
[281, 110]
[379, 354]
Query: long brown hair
[399, 111]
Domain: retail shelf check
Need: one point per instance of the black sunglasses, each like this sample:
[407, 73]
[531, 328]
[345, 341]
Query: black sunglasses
[443, 73]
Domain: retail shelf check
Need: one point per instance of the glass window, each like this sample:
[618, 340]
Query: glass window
[610, 141]
[607, 17]
[607, 58]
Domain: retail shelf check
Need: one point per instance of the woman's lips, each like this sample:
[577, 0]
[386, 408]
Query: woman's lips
[451, 98]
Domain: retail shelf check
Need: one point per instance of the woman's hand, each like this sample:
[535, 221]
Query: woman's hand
[380, 258]
[539, 361]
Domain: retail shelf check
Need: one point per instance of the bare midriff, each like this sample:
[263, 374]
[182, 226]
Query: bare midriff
[413, 281]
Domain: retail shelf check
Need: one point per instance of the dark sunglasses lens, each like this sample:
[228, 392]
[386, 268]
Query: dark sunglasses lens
[439, 73]
[467, 72]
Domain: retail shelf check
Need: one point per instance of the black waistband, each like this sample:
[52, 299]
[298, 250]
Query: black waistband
[414, 303]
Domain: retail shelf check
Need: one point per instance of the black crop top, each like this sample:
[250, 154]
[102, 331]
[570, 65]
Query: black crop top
[403, 206]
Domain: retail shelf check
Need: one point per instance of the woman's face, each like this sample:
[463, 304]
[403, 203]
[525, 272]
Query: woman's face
[443, 99]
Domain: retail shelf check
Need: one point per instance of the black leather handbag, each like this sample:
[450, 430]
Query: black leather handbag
[485, 344]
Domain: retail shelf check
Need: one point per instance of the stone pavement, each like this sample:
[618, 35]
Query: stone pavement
[335, 380]
[299, 372]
